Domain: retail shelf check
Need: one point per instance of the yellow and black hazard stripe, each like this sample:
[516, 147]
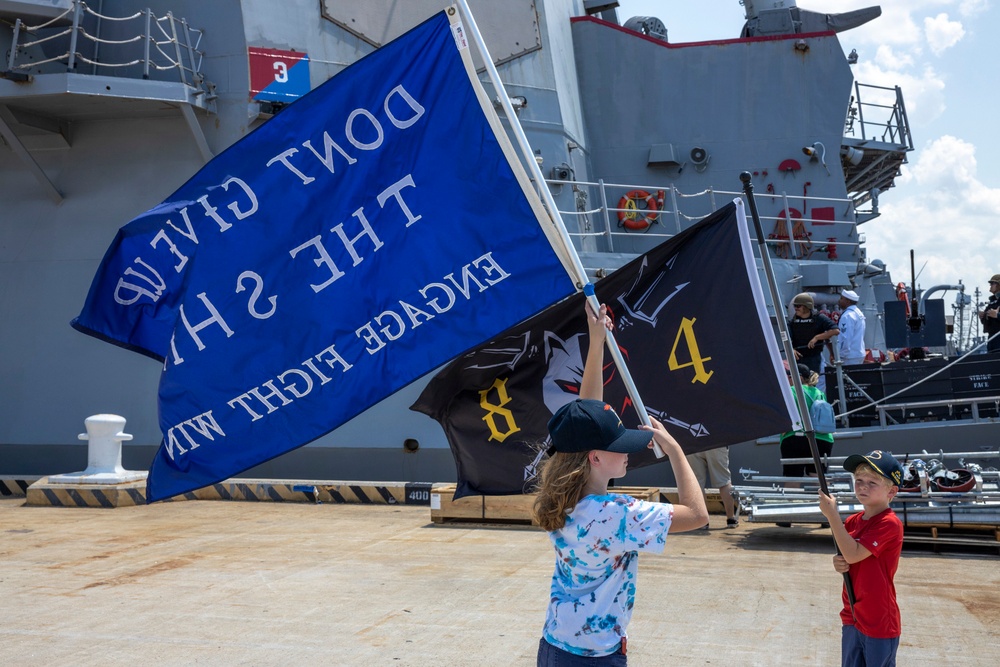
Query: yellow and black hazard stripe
[15, 487]
[134, 493]
[372, 493]
[128, 494]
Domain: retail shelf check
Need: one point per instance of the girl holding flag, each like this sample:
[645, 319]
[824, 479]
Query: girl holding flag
[598, 535]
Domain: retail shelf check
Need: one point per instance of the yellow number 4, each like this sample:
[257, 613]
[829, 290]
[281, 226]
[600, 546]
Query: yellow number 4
[687, 330]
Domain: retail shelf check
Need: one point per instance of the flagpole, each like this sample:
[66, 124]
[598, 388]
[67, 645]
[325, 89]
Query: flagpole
[786, 342]
[550, 204]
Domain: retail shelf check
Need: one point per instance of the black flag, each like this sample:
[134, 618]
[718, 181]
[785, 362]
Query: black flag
[690, 321]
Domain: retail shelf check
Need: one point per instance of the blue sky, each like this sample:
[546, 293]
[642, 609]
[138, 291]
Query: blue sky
[943, 54]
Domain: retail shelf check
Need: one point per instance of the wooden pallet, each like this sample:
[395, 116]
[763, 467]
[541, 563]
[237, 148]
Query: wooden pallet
[713, 500]
[975, 539]
[514, 509]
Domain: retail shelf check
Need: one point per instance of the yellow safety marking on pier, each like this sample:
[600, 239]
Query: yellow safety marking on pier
[12, 486]
[248, 490]
[44, 493]
[365, 494]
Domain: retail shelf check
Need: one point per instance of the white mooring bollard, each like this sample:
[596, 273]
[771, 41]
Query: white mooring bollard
[104, 437]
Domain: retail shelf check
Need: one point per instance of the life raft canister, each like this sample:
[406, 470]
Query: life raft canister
[636, 219]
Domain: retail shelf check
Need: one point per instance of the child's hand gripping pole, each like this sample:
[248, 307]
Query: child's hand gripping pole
[616, 356]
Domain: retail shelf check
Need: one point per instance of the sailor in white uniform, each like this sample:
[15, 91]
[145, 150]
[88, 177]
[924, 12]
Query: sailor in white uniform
[852, 329]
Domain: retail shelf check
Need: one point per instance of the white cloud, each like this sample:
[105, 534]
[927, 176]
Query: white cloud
[896, 26]
[947, 216]
[907, 24]
[942, 33]
[923, 90]
[890, 58]
[946, 163]
[970, 8]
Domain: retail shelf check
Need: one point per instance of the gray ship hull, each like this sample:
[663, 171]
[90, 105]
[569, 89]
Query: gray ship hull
[87, 150]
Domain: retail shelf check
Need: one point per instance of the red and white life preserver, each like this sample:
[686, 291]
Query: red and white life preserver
[636, 219]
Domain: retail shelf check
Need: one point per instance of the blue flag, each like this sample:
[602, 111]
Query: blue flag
[370, 232]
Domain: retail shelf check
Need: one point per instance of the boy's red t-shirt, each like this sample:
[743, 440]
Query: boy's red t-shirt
[876, 613]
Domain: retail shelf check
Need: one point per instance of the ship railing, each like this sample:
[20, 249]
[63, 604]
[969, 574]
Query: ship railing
[882, 120]
[884, 408]
[162, 44]
[950, 404]
[670, 214]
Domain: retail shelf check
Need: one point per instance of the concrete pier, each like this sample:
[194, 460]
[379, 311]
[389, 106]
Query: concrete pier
[236, 583]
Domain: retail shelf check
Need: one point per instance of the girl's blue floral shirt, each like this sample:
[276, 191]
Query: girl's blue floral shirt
[593, 587]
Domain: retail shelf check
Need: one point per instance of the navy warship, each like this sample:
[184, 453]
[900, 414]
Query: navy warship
[108, 106]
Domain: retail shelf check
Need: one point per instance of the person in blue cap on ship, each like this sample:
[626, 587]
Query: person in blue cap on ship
[598, 535]
[870, 543]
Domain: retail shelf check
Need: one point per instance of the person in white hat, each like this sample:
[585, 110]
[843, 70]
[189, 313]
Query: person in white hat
[852, 329]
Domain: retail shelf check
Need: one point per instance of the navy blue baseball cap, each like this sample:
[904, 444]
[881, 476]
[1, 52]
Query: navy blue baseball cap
[883, 462]
[586, 424]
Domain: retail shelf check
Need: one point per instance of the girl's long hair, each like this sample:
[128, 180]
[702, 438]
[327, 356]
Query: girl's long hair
[561, 482]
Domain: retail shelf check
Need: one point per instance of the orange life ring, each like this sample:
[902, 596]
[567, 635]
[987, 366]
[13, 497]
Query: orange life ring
[636, 219]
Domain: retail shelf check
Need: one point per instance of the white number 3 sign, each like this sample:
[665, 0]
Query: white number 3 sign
[280, 72]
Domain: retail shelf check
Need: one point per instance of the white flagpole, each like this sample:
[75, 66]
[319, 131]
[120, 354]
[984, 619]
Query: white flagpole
[550, 204]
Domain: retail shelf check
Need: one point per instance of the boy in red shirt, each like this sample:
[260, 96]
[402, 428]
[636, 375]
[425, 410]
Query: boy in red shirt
[870, 543]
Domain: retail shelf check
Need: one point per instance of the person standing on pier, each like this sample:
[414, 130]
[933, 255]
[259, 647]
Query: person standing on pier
[711, 468]
[597, 534]
[870, 543]
[990, 316]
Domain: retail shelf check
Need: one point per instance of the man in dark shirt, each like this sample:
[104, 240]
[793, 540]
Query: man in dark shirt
[990, 316]
[809, 331]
